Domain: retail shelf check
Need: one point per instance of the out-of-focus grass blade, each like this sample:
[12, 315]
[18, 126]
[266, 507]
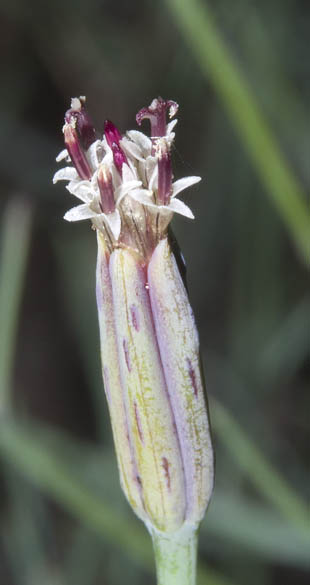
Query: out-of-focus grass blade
[267, 480]
[84, 557]
[195, 21]
[73, 473]
[289, 346]
[22, 449]
[21, 535]
[253, 528]
[16, 229]
[47, 471]
[76, 257]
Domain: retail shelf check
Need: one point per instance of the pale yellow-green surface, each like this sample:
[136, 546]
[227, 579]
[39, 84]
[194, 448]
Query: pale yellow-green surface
[159, 462]
[176, 557]
[112, 380]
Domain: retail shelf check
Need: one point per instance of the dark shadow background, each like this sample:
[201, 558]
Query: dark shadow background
[247, 285]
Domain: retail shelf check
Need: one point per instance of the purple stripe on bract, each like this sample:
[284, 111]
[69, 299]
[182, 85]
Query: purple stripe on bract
[126, 354]
[135, 317]
[192, 376]
[166, 465]
[138, 421]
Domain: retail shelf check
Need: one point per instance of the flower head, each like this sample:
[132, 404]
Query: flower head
[125, 182]
[149, 343]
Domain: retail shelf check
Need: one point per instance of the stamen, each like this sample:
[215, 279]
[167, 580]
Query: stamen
[162, 152]
[156, 113]
[106, 189]
[76, 152]
[113, 137]
[111, 133]
[78, 117]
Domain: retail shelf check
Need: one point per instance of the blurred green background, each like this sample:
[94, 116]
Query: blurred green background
[240, 72]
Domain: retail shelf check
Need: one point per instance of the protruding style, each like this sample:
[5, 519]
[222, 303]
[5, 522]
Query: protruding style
[156, 113]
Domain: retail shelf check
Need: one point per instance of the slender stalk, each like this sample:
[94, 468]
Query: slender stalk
[176, 556]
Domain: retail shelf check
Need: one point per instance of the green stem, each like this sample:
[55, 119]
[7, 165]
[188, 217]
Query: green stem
[175, 556]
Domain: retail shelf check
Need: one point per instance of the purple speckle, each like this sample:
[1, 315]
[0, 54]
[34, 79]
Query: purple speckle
[138, 421]
[192, 376]
[166, 465]
[135, 317]
[126, 354]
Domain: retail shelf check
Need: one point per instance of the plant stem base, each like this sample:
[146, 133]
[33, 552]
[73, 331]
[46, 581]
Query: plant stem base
[176, 556]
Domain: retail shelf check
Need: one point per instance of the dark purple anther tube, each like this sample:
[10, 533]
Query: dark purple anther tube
[111, 133]
[76, 152]
[113, 137]
[164, 178]
[82, 122]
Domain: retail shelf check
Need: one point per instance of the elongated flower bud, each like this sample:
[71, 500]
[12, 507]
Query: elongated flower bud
[149, 342]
